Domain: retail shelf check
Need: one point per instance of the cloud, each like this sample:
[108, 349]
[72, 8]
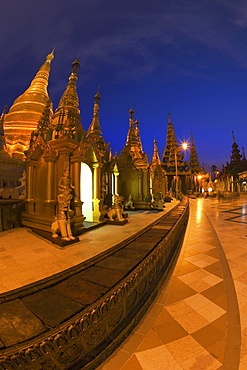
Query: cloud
[133, 37]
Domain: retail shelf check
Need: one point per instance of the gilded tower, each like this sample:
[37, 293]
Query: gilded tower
[158, 182]
[133, 167]
[230, 173]
[173, 162]
[66, 122]
[26, 111]
[236, 156]
[49, 157]
[101, 164]
[195, 167]
[61, 151]
[95, 128]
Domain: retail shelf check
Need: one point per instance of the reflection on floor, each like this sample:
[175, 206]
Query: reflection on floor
[26, 257]
[199, 319]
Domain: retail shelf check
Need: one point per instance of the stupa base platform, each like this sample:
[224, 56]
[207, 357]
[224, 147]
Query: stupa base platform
[58, 241]
[116, 222]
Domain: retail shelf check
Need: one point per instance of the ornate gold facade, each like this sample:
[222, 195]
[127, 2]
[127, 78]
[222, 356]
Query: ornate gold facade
[50, 144]
[134, 176]
[60, 143]
[158, 180]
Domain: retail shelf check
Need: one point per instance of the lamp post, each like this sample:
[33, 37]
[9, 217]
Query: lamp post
[183, 146]
[176, 171]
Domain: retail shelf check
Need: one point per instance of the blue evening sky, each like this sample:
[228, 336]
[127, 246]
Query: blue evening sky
[186, 57]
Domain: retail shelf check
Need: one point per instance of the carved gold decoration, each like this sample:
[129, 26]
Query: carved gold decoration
[62, 219]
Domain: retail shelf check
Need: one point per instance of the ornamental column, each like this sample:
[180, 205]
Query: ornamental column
[29, 187]
[50, 201]
[110, 190]
[116, 175]
[76, 181]
[96, 191]
[140, 186]
[146, 190]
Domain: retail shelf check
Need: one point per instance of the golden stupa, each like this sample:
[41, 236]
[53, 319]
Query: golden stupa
[26, 111]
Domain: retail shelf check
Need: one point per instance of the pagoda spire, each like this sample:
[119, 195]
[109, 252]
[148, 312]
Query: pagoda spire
[70, 98]
[132, 150]
[171, 142]
[169, 118]
[235, 156]
[132, 139]
[138, 134]
[155, 158]
[40, 82]
[67, 120]
[194, 162]
[170, 149]
[95, 124]
[243, 155]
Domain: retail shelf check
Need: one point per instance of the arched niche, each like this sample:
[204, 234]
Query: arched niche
[86, 187]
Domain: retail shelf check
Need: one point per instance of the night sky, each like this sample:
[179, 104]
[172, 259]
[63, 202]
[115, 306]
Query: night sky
[186, 57]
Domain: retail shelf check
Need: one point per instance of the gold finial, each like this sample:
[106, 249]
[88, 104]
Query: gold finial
[76, 65]
[95, 128]
[131, 111]
[169, 117]
[5, 109]
[97, 95]
[50, 56]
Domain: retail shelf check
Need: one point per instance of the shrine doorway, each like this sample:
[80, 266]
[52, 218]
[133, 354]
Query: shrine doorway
[87, 192]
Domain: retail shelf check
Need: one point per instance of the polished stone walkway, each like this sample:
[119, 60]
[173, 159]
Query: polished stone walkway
[199, 319]
[26, 258]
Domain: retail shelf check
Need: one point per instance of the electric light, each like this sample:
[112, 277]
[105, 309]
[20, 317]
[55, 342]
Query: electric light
[184, 146]
[199, 177]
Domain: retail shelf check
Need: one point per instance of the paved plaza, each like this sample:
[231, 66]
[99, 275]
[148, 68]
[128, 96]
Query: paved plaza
[26, 258]
[199, 319]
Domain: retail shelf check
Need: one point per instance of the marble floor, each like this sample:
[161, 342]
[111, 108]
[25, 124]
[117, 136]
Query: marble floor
[199, 319]
[26, 258]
